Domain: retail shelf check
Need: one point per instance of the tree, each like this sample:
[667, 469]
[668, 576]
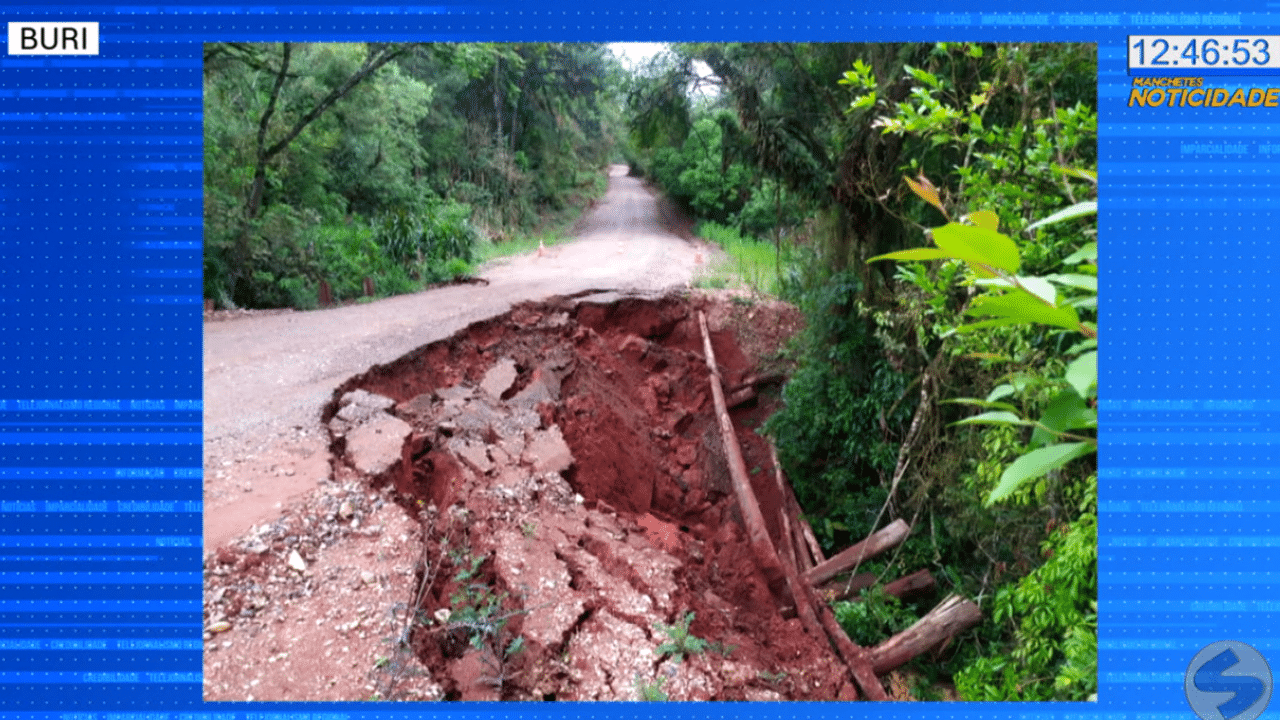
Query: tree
[280, 121]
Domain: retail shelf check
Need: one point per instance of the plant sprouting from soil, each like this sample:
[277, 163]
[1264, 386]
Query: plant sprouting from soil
[651, 692]
[681, 642]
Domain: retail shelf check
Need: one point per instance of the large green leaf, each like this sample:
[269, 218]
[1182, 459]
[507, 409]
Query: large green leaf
[1089, 251]
[1038, 286]
[978, 247]
[1022, 307]
[1082, 373]
[1084, 282]
[913, 254]
[985, 219]
[1034, 464]
[1080, 209]
[988, 404]
[994, 418]
[1064, 412]
[1002, 390]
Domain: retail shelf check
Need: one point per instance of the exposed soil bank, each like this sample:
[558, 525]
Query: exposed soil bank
[535, 508]
[565, 464]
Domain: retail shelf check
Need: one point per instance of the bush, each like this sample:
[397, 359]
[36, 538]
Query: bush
[1053, 617]
[843, 397]
[876, 617]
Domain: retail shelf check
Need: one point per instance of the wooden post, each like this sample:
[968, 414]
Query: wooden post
[326, 294]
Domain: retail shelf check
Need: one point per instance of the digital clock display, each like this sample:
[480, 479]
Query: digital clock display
[1225, 54]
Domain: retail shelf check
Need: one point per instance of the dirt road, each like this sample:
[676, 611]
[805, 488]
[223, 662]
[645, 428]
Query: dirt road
[266, 377]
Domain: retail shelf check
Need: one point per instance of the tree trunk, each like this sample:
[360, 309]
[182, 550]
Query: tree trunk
[264, 154]
[497, 103]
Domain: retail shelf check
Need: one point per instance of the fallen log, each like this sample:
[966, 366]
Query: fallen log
[850, 588]
[950, 618]
[811, 554]
[757, 531]
[754, 380]
[740, 397]
[816, 618]
[916, 583]
[856, 658]
[791, 553]
[876, 543]
[815, 549]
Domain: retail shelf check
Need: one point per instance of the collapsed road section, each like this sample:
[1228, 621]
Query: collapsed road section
[580, 534]
[564, 502]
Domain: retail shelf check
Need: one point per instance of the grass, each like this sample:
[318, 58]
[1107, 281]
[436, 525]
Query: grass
[749, 263]
[521, 245]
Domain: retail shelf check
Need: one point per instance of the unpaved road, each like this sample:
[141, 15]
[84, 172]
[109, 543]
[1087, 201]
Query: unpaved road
[266, 377]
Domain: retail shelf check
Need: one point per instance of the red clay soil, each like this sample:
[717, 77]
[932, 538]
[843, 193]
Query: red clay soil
[577, 536]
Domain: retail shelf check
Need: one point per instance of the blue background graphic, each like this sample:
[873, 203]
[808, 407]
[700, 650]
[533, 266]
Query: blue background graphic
[100, 341]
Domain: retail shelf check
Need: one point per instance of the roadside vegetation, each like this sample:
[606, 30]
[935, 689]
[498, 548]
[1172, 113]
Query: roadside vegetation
[402, 164]
[929, 207]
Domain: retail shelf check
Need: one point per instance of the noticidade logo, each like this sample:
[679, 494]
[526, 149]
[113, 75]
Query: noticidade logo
[1190, 92]
[1228, 680]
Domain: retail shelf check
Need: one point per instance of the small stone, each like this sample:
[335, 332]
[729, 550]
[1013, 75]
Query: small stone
[346, 510]
[296, 562]
[443, 614]
[368, 577]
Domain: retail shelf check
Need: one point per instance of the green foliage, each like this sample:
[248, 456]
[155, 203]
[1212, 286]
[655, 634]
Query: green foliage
[653, 691]
[680, 641]
[438, 142]
[831, 433]
[1011, 299]
[428, 239]
[875, 617]
[1054, 616]
[754, 262]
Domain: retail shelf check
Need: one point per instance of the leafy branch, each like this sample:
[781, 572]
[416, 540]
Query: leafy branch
[1012, 299]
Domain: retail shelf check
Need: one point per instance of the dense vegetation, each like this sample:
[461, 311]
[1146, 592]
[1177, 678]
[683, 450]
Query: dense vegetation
[835, 155]
[341, 162]
[928, 207]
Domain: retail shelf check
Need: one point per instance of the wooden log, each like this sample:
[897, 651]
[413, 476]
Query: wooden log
[857, 659]
[815, 617]
[739, 397]
[950, 618]
[876, 543]
[851, 588]
[790, 552]
[757, 531]
[814, 550]
[758, 536]
[752, 381]
[917, 583]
